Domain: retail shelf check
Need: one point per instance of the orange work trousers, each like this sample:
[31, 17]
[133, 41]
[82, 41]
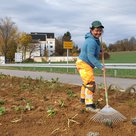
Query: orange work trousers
[87, 75]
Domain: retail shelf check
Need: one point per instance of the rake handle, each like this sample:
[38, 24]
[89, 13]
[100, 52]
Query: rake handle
[104, 75]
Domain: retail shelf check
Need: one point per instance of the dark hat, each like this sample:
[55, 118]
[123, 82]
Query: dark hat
[96, 24]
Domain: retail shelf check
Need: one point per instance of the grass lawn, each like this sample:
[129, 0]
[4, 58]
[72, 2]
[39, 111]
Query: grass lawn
[122, 57]
[115, 57]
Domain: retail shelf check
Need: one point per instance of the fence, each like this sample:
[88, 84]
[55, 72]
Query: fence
[115, 67]
[61, 65]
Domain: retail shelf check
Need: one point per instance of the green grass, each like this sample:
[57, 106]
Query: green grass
[123, 73]
[60, 70]
[115, 57]
[122, 57]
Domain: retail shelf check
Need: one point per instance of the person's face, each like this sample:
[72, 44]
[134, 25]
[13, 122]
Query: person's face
[97, 32]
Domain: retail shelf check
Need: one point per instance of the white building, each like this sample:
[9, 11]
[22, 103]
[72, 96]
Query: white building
[45, 43]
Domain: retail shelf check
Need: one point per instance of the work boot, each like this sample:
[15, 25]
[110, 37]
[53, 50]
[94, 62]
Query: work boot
[82, 101]
[92, 108]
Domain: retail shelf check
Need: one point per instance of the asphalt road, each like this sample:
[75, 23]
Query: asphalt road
[69, 78]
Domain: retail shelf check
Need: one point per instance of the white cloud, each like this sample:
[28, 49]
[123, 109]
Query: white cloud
[75, 16]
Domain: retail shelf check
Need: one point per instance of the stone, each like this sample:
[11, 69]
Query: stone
[93, 134]
[134, 121]
[113, 87]
[131, 89]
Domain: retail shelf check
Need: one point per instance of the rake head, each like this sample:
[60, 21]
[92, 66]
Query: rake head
[108, 114]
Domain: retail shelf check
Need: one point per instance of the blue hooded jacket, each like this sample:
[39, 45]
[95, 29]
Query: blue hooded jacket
[90, 51]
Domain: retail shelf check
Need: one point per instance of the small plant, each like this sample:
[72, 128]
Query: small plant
[2, 110]
[41, 79]
[2, 102]
[70, 93]
[132, 103]
[54, 84]
[51, 111]
[100, 87]
[2, 76]
[26, 106]
[29, 106]
[97, 103]
[28, 77]
[18, 108]
[61, 103]
[55, 80]
[23, 86]
[82, 111]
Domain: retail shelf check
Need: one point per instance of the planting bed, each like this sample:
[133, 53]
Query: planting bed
[48, 108]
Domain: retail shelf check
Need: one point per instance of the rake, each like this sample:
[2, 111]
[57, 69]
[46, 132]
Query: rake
[107, 113]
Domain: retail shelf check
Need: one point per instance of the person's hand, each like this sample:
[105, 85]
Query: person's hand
[103, 69]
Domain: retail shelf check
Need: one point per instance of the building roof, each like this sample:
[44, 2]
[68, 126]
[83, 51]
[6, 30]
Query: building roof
[41, 36]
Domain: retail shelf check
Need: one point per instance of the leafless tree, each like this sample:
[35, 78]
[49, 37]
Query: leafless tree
[8, 34]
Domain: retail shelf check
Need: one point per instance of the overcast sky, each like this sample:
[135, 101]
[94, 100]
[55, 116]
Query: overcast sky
[75, 16]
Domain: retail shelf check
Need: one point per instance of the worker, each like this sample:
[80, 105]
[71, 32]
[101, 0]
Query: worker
[87, 61]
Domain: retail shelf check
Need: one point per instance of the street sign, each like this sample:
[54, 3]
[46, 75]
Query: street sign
[67, 45]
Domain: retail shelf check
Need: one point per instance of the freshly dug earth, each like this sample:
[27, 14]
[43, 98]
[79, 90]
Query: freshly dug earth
[48, 108]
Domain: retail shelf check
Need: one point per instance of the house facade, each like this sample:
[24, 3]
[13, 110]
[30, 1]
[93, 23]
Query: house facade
[45, 43]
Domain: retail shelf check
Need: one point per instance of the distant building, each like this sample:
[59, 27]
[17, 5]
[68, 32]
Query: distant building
[45, 42]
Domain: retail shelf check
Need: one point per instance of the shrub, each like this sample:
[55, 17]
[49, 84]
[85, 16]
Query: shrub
[29, 60]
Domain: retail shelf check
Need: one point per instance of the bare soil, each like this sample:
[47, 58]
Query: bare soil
[43, 108]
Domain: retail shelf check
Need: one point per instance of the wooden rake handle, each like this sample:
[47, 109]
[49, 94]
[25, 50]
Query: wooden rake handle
[104, 74]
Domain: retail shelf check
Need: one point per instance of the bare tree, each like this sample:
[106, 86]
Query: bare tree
[33, 46]
[8, 34]
[124, 45]
[59, 50]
